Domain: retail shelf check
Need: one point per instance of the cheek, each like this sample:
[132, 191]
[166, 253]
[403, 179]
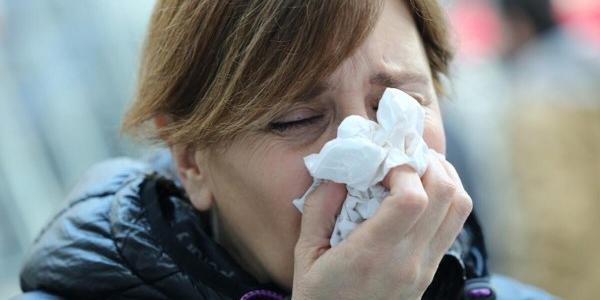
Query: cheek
[288, 177]
[434, 131]
[268, 178]
[255, 198]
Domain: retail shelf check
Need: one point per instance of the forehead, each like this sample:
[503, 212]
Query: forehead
[392, 53]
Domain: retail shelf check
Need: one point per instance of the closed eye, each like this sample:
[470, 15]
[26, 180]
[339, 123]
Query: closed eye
[296, 124]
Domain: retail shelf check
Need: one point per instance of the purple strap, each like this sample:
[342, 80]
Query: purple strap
[479, 293]
[261, 295]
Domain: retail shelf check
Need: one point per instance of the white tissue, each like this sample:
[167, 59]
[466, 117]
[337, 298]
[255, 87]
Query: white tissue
[364, 152]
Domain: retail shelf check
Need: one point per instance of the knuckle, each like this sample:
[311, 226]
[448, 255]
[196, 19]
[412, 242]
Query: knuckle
[447, 189]
[364, 265]
[413, 273]
[364, 262]
[463, 205]
[414, 199]
[408, 274]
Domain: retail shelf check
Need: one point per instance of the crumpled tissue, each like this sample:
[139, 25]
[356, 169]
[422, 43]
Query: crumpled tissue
[364, 152]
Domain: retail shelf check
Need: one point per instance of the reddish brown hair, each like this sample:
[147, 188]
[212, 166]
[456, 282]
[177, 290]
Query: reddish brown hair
[219, 68]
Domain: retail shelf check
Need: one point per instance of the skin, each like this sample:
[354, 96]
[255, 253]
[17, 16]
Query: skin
[250, 185]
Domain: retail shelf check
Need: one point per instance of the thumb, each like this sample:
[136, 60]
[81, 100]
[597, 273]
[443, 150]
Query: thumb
[318, 219]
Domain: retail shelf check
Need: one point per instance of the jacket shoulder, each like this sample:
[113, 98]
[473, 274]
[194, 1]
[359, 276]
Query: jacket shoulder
[99, 245]
[510, 289]
[107, 177]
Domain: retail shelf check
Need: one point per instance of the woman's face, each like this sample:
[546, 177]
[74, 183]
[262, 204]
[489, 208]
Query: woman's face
[252, 183]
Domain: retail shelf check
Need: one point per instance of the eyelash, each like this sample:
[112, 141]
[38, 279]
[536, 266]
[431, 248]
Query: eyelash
[285, 126]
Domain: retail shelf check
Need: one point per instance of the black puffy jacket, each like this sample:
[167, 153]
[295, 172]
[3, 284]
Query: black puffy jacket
[128, 232]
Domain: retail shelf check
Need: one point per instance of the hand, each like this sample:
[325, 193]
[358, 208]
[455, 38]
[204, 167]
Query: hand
[394, 254]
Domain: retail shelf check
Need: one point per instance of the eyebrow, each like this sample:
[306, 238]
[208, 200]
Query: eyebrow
[394, 80]
[398, 79]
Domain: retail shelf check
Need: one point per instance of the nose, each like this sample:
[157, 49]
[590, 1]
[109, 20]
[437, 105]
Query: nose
[355, 104]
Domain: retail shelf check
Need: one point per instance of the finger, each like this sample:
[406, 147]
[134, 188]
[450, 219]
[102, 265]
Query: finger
[459, 211]
[399, 211]
[318, 219]
[441, 190]
[449, 168]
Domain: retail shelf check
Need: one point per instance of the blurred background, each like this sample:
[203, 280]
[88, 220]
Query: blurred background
[522, 117]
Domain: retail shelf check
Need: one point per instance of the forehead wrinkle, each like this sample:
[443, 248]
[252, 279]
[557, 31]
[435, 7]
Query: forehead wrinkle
[392, 73]
[396, 79]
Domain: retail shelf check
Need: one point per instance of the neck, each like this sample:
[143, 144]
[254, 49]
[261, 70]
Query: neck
[222, 234]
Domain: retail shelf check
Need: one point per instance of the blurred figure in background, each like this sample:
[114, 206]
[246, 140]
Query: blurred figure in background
[525, 96]
[554, 140]
[534, 44]
[526, 23]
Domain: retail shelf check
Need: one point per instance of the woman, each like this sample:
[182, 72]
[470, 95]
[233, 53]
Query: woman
[241, 91]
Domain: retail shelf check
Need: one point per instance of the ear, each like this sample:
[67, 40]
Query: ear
[191, 169]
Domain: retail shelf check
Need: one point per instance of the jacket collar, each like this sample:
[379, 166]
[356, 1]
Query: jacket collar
[185, 235]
